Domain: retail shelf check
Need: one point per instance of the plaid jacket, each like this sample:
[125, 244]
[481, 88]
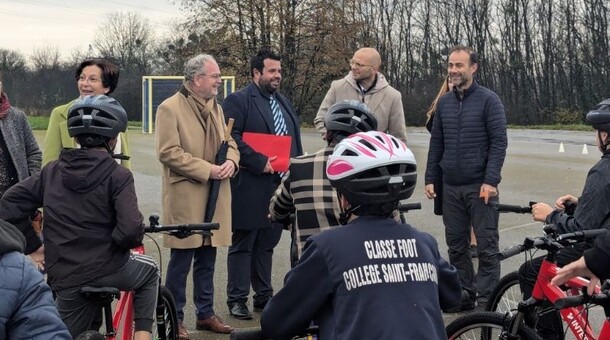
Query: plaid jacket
[305, 191]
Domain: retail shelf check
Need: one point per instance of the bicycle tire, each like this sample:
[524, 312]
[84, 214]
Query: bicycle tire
[485, 326]
[506, 295]
[166, 326]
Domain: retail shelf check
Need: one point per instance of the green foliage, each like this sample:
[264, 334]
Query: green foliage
[567, 116]
[38, 122]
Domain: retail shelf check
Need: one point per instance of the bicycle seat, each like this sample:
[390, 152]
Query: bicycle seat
[100, 294]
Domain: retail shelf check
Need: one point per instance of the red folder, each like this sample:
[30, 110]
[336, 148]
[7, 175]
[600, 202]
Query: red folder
[271, 145]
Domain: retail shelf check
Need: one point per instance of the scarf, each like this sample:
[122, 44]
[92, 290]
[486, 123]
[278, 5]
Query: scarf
[5, 105]
[206, 108]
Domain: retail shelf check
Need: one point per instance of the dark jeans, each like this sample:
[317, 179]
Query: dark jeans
[203, 279]
[249, 262]
[549, 324]
[139, 274]
[463, 208]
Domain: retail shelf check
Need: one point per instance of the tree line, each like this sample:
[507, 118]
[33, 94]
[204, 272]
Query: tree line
[548, 60]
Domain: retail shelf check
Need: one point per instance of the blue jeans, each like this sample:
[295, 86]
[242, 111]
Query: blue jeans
[249, 262]
[203, 279]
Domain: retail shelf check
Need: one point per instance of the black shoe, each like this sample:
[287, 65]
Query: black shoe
[466, 304]
[259, 306]
[239, 310]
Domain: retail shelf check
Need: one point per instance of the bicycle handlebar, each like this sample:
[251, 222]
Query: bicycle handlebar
[550, 240]
[252, 333]
[512, 208]
[409, 206]
[179, 230]
[578, 300]
[255, 333]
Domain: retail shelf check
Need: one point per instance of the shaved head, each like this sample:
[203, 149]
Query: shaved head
[369, 55]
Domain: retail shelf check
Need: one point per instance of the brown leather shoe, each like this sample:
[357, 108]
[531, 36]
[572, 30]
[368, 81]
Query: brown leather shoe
[214, 324]
[183, 334]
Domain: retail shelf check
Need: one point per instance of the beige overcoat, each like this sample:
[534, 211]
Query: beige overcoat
[187, 154]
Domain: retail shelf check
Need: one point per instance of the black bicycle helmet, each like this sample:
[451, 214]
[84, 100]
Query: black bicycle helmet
[350, 116]
[97, 115]
[599, 116]
[372, 168]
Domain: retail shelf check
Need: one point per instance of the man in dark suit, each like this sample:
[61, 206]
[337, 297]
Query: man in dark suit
[259, 108]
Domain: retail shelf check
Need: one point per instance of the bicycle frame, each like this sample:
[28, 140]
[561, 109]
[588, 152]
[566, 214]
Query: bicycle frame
[575, 317]
[123, 312]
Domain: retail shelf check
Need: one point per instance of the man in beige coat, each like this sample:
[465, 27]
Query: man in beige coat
[366, 84]
[190, 128]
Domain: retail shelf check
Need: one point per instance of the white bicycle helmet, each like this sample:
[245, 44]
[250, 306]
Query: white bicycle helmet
[372, 168]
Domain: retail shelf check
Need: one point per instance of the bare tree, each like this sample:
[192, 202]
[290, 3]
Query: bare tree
[127, 39]
[46, 58]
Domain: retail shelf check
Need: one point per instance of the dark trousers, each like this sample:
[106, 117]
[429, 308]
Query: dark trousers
[249, 262]
[203, 279]
[462, 208]
[140, 274]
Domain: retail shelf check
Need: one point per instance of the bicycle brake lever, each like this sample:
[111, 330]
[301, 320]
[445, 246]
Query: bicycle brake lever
[181, 233]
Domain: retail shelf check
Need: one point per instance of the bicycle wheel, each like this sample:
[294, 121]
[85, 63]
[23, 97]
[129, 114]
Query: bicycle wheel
[485, 326]
[506, 296]
[167, 317]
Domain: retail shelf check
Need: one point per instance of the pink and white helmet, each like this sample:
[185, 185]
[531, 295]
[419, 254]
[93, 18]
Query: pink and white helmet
[372, 168]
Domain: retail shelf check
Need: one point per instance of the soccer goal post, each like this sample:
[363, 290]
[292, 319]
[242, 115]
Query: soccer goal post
[155, 89]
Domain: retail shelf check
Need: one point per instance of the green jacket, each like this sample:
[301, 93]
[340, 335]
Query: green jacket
[57, 137]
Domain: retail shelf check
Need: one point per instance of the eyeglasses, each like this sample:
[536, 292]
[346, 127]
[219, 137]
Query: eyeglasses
[216, 76]
[90, 80]
[355, 64]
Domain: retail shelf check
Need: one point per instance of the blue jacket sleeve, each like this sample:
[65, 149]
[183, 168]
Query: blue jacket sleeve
[435, 152]
[288, 314]
[35, 315]
[498, 141]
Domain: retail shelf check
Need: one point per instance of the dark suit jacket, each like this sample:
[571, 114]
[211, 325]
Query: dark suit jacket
[251, 188]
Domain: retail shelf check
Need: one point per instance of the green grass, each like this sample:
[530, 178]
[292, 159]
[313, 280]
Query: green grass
[41, 123]
[38, 122]
[568, 127]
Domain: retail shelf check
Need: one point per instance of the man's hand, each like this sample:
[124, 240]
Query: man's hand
[226, 170]
[487, 191]
[560, 203]
[576, 268]
[429, 191]
[268, 168]
[540, 211]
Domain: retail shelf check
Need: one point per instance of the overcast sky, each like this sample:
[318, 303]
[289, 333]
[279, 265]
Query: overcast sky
[70, 24]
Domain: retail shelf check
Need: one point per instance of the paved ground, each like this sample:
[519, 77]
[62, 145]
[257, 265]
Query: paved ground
[534, 170]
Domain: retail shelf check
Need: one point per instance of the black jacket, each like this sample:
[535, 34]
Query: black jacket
[592, 212]
[251, 189]
[372, 279]
[468, 140]
[91, 216]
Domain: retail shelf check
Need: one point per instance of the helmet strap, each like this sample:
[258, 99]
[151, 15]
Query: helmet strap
[346, 213]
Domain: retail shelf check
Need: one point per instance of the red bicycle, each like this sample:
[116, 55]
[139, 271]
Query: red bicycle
[573, 309]
[120, 325]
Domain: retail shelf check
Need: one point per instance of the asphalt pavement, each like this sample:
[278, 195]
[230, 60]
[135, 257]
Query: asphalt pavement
[534, 170]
